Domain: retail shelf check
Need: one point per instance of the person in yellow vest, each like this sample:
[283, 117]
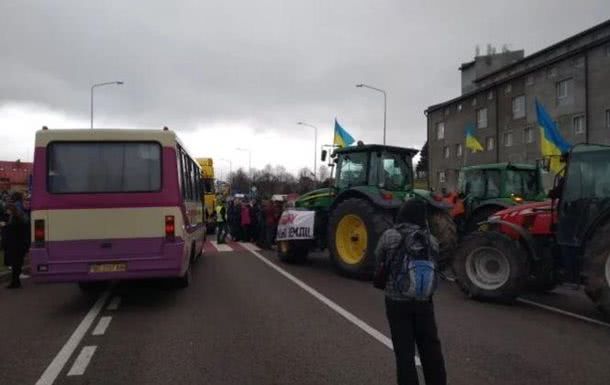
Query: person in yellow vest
[221, 222]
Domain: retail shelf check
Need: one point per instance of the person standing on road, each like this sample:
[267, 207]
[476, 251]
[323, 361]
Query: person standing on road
[411, 321]
[245, 221]
[15, 243]
[221, 222]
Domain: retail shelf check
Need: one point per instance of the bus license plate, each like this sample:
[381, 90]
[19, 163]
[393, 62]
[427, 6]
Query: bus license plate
[108, 268]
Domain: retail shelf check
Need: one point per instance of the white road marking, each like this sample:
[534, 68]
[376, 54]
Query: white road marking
[564, 312]
[102, 325]
[82, 361]
[376, 334]
[58, 363]
[114, 304]
[221, 246]
[249, 246]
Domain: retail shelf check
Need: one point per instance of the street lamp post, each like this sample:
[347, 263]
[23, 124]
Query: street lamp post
[315, 146]
[117, 82]
[385, 104]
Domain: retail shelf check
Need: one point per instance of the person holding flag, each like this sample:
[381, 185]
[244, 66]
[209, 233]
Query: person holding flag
[341, 138]
[552, 144]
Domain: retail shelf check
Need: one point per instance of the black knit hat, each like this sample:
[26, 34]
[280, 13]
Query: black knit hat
[413, 211]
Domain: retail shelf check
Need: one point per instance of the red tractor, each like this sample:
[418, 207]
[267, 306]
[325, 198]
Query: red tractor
[539, 245]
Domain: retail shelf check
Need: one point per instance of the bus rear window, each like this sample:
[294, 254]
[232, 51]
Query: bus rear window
[103, 167]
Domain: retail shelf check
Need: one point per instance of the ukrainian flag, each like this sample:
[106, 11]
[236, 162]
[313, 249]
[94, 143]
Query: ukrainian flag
[342, 138]
[471, 141]
[552, 144]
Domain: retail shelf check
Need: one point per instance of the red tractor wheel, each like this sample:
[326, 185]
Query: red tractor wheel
[491, 266]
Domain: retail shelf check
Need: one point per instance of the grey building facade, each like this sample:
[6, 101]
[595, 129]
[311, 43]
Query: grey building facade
[571, 79]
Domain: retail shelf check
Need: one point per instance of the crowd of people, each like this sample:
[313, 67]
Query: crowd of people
[15, 234]
[248, 220]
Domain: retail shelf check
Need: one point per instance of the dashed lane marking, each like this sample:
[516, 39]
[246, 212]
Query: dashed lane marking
[114, 304]
[563, 312]
[58, 363]
[82, 361]
[376, 334]
[102, 325]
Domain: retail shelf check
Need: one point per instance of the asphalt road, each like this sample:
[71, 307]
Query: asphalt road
[244, 322]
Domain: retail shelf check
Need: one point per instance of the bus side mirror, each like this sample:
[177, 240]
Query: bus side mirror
[324, 154]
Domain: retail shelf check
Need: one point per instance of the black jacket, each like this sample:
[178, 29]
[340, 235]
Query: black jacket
[15, 241]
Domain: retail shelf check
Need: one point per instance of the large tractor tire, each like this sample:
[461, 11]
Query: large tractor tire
[355, 226]
[597, 269]
[444, 229]
[292, 251]
[491, 266]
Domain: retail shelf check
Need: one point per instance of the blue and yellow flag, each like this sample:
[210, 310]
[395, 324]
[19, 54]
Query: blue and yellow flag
[552, 144]
[471, 141]
[342, 138]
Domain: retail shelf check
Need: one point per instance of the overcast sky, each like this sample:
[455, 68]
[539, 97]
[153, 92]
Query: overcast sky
[228, 74]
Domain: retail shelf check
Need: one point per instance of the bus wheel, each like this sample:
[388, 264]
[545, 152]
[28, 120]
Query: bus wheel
[184, 281]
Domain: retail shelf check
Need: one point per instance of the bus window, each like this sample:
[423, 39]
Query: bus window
[81, 167]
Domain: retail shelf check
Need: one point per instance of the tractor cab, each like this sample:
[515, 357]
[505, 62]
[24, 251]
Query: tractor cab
[488, 188]
[385, 168]
[510, 181]
[584, 199]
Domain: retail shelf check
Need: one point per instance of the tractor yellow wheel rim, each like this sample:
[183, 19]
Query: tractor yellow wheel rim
[351, 239]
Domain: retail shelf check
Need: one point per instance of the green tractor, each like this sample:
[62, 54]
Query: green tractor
[486, 189]
[371, 182]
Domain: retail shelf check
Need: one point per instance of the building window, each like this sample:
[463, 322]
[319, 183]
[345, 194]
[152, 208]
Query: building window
[530, 80]
[607, 120]
[474, 101]
[441, 177]
[552, 72]
[508, 139]
[519, 107]
[490, 95]
[578, 122]
[482, 118]
[528, 135]
[490, 143]
[562, 89]
[446, 152]
[459, 107]
[440, 130]
[459, 150]
[508, 89]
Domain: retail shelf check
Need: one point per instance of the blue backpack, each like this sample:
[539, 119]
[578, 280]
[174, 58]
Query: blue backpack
[417, 277]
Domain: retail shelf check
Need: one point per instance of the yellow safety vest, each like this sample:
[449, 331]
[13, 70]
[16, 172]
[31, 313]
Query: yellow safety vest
[219, 217]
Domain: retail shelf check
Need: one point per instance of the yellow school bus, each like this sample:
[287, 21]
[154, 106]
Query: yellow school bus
[209, 193]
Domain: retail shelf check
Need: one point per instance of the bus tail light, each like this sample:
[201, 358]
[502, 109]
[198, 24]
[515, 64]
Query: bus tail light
[39, 232]
[170, 227]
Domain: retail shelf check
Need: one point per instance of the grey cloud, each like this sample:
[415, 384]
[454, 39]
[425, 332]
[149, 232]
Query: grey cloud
[271, 63]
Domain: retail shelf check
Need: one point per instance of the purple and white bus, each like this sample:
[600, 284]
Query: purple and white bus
[114, 204]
